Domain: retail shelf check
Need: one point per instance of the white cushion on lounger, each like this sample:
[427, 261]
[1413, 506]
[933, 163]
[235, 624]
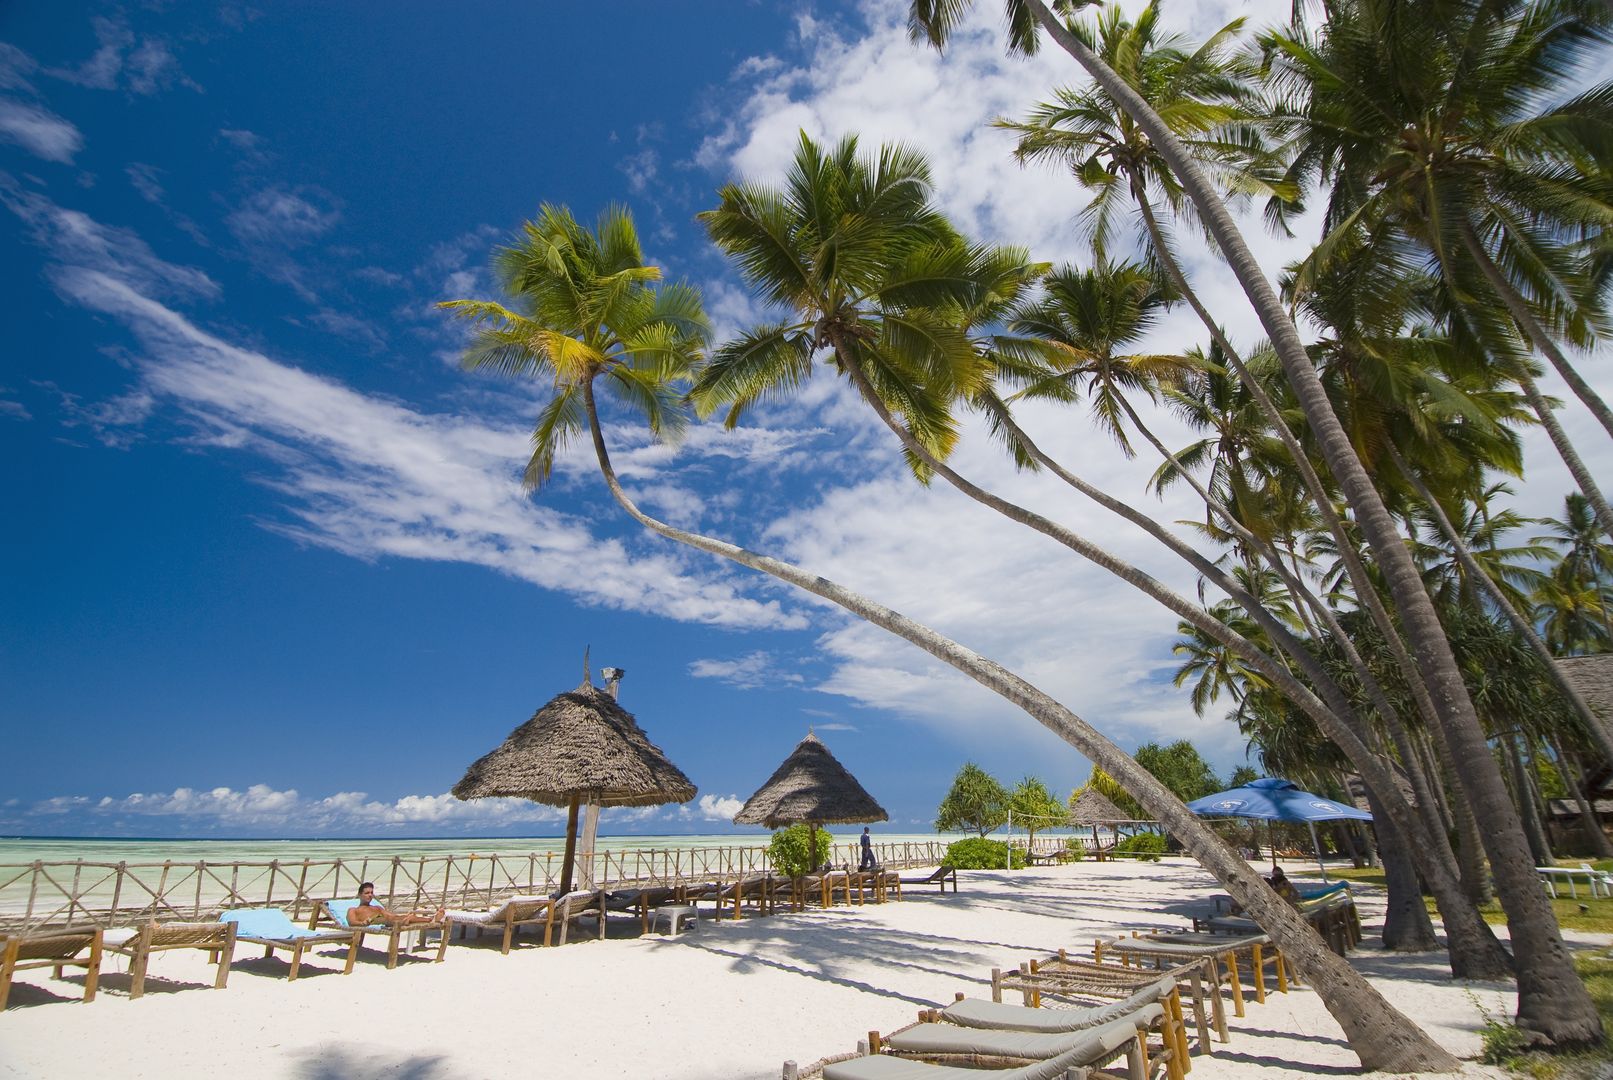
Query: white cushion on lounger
[1102, 1042]
[887, 1067]
[971, 1012]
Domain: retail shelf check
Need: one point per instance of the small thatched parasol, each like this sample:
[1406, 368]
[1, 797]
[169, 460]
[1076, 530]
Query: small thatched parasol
[1093, 808]
[581, 747]
[811, 787]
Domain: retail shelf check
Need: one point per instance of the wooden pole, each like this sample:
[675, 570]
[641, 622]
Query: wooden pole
[571, 845]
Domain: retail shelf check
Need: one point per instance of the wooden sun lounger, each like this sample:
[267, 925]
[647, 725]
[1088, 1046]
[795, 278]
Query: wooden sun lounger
[942, 875]
[273, 929]
[1060, 977]
[510, 915]
[218, 938]
[977, 1048]
[326, 916]
[53, 948]
[1222, 951]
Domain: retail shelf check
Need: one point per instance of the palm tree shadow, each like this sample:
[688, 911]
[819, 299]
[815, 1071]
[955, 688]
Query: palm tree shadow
[329, 1063]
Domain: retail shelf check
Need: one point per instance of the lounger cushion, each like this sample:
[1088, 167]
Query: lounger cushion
[1187, 944]
[487, 918]
[268, 924]
[974, 1013]
[1100, 1043]
[339, 909]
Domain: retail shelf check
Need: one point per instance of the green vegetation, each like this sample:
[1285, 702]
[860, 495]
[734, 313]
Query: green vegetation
[788, 850]
[1147, 846]
[978, 853]
[976, 803]
[1035, 808]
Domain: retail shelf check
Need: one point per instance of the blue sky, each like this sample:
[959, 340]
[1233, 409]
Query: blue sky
[270, 567]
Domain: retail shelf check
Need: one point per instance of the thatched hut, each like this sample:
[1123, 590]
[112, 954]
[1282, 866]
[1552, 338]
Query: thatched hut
[1093, 808]
[581, 748]
[812, 787]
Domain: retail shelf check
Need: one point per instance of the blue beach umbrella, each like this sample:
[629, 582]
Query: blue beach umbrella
[1273, 799]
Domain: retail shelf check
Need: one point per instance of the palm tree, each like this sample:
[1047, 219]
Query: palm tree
[1553, 1004]
[510, 332]
[1450, 134]
[1587, 556]
[1573, 612]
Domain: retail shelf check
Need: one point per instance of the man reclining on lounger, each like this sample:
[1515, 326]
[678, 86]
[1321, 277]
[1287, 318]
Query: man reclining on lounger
[367, 911]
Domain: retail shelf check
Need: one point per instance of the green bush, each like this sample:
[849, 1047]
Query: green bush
[788, 850]
[1147, 846]
[1075, 849]
[978, 853]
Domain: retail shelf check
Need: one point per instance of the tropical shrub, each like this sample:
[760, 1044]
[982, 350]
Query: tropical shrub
[1075, 848]
[978, 853]
[788, 850]
[1147, 846]
[976, 803]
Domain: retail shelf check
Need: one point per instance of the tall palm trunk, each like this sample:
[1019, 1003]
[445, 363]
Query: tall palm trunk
[1573, 772]
[1475, 953]
[1536, 335]
[1406, 925]
[1528, 801]
[1381, 1036]
[1554, 1006]
[1526, 627]
[1490, 959]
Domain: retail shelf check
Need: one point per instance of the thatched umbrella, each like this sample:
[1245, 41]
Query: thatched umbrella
[581, 747]
[1093, 808]
[811, 787]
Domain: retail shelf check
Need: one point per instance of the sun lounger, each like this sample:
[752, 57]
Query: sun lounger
[1063, 978]
[1222, 951]
[56, 949]
[509, 916]
[334, 913]
[942, 875]
[273, 929]
[756, 890]
[948, 1044]
[1073, 1055]
[218, 938]
[1331, 912]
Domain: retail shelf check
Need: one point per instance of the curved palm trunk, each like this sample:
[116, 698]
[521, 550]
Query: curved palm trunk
[1542, 341]
[1528, 801]
[1537, 336]
[1475, 952]
[1554, 1006]
[1594, 726]
[1381, 1036]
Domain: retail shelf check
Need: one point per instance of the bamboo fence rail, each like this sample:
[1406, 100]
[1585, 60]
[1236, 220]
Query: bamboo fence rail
[104, 894]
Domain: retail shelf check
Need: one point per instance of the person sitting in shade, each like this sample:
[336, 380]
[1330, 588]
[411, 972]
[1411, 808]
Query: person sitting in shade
[1282, 886]
[367, 912]
[868, 852]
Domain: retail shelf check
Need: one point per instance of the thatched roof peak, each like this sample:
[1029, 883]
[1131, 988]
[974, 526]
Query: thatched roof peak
[581, 743]
[1093, 807]
[811, 785]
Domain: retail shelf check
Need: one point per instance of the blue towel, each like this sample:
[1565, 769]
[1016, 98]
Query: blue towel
[339, 910]
[266, 922]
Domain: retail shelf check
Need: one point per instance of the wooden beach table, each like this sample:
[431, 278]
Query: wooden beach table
[1221, 950]
[56, 948]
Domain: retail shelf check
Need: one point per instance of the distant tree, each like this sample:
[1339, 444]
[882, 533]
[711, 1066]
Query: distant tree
[1035, 808]
[1180, 768]
[1242, 775]
[976, 803]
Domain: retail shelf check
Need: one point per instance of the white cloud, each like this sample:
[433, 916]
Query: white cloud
[265, 807]
[39, 131]
[720, 807]
[141, 65]
[750, 671]
[74, 238]
[285, 217]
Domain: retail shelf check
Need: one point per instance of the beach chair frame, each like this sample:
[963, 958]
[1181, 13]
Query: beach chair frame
[323, 916]
[217, 938]
[53, 948]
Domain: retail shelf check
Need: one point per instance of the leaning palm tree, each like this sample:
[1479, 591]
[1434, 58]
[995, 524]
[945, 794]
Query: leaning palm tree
[1554, 1007]
[1573, 612]
[523, 341]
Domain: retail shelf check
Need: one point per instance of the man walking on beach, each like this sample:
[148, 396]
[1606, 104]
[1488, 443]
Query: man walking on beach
[868, 851]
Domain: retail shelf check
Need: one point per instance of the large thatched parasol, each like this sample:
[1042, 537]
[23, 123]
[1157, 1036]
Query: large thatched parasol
[811, 787]
[582, 747]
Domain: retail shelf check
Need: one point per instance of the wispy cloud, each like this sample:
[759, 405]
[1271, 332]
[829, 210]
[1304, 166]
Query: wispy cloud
[748, 672]
[139, 64]
[39, 131]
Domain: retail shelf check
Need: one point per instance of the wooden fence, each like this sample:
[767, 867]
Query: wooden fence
[121, 894]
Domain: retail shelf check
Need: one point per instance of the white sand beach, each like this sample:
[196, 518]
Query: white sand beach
[724, 1000]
